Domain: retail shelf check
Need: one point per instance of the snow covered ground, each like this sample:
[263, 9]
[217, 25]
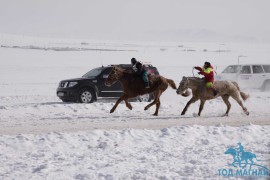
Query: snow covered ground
[182, 152]
[44, 138]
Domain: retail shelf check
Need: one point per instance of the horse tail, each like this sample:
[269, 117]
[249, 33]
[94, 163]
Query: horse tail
[242, 94]
[171, 83]
[256, 157]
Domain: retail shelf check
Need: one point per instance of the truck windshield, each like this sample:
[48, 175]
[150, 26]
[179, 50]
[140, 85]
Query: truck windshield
[93, 73]
[232, 69]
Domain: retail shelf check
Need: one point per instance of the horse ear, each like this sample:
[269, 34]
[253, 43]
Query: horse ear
[184, 77]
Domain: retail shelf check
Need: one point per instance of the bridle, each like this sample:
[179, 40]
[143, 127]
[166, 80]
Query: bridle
[186, 81]
[113, 76]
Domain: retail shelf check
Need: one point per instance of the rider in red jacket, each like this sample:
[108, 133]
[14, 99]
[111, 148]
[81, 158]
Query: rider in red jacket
[208, 72]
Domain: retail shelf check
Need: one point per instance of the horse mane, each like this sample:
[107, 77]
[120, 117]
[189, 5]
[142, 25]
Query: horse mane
[197, 79]
[124, 70]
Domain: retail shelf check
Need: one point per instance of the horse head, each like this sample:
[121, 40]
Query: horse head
[231, 151]
[113, 76]
[183, 86]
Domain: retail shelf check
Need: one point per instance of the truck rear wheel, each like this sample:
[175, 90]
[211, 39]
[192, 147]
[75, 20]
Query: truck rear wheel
[145, 98]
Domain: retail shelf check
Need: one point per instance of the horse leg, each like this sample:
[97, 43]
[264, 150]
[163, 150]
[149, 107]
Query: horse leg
[201, 107]
[192, 100]
[245, 163]
[158, 99]
[157, 107]
[234, 163]
[236, 97]
[128, 105]
[251, 160]
[123, 97]
[225, 98]
[157, 95]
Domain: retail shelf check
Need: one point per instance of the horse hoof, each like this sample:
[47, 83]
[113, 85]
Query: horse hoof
[111, 111]
[225, 115]
[145, 108]
[247, 113]
[195, 115]
[182, 113]
[155, 114]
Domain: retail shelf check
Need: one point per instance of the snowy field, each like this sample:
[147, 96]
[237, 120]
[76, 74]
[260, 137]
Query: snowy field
[44, 138]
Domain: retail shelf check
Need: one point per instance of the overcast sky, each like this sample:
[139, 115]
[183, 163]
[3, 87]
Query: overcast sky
[170, 20]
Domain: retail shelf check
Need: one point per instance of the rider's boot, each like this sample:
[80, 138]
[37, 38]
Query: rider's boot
[215, 92]
[146, 85]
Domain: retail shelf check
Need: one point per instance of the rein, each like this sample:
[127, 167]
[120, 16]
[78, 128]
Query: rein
[193, 72]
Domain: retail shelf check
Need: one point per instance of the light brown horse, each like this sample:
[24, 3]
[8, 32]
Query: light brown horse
[200, 92]
[133, 86]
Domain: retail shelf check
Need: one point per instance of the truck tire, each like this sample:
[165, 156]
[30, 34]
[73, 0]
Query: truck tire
[87, 95]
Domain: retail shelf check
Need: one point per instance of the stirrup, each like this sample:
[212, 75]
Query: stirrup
[215, 92]
[146, 85]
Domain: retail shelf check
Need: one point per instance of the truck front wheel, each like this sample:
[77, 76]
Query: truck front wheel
[87, 96]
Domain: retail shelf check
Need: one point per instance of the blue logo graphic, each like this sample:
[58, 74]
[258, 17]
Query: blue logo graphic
[244, 164]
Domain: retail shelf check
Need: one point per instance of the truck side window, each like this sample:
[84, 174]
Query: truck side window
[266, 68]
[257, 69]
[245, 70]
[106, 72]
[231, 69]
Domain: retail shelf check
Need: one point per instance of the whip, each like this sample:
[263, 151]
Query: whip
[193, 73]
[214, 69]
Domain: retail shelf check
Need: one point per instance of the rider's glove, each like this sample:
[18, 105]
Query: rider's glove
[197, 67]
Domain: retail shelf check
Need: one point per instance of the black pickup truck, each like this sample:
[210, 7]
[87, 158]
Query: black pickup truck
[90, 86]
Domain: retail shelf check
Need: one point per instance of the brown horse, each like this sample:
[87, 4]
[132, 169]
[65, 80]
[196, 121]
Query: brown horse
[133, 86]
[202, 93]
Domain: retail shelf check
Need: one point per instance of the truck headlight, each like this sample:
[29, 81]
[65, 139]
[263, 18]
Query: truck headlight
[71, 84]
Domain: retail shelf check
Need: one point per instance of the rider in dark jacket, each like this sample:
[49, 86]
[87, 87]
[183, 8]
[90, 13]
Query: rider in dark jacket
[141, 71]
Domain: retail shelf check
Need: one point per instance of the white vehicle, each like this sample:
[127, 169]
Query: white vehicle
[248, 75]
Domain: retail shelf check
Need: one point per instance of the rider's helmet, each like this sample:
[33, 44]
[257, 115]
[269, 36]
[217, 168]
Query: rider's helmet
[133, 61]
[207, 64]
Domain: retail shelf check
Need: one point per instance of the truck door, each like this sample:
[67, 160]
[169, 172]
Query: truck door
[258, 76]
[244, 78]
[104, 91]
